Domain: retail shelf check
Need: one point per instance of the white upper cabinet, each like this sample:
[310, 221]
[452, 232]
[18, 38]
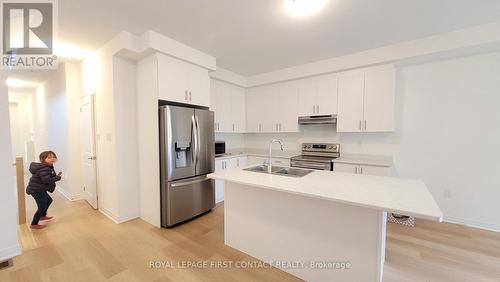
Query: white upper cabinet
[307, 93]
[366, 100]
[253, 110]
[318, 95]
[288, 106]
[272, 108]
[379, 100]
[182, 82]
[327, 94]
[350, 111]
[228, 103]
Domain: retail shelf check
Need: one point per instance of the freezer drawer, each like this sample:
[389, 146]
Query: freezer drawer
[187, 198]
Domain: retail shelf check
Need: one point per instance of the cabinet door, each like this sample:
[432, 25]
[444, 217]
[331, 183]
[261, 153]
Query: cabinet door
[237, 107]
[268, 108]
[172, 83]
[253, 112]
[288, 104]
[215, 102]
[349, 168]
[232, 163]
[225, 122]
[374, 170]
[350, 102]
[242, 161]
[307, 92]
[198, 85]
[327, 94]
[219, 165]
[379, 100]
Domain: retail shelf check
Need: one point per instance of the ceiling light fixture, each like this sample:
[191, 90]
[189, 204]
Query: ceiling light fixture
[303, 8]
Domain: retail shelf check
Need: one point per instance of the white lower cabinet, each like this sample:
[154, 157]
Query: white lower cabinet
[361, 169]
[228, 163]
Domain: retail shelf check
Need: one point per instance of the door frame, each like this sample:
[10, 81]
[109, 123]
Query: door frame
[91, 99]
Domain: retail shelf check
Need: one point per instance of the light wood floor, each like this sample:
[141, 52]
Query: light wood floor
[83, 245]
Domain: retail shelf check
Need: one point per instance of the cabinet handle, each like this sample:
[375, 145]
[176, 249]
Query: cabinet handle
[360, 128]
[238, 162]
[233, 127]
[314, 109]
[190, 96]
[185, 95]
[356, 170]
[365, 124]
[280, 127]
[361, 169]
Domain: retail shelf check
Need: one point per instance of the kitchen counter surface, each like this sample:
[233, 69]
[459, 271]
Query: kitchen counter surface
[394, 195]
[374, 160]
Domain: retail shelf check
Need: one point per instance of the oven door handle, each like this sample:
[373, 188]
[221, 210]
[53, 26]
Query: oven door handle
[310, 165]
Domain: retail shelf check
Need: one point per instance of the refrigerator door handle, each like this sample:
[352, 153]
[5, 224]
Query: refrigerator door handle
[194, 155]
[198, 142]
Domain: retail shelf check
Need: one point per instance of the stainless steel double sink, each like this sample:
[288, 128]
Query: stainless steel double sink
[279, 170]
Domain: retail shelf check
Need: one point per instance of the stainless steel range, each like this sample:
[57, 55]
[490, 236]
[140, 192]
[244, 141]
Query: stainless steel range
[317, 156]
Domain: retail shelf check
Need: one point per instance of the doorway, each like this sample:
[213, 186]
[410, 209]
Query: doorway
[87, 133]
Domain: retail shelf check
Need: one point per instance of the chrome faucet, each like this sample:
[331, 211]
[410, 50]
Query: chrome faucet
[270, 164]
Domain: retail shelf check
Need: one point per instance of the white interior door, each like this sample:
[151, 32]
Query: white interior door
[88, 150]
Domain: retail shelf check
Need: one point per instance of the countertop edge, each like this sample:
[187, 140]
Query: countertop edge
[363, 205]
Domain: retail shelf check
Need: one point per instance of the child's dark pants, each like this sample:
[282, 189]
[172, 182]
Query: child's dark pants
[43, 201]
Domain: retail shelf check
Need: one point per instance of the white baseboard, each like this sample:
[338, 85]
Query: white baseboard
[69, 196]
[109, 214]
[471, 223]
[10, 252]
[114, 218]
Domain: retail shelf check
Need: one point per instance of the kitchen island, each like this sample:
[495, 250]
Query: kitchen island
[324, 226]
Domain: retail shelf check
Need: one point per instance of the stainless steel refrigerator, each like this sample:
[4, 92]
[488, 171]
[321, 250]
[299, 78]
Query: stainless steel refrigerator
[187, 155]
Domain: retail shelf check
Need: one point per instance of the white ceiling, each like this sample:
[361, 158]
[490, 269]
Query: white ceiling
[255, 36]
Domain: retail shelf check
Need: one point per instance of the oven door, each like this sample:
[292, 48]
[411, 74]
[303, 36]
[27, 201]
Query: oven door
[311, 165]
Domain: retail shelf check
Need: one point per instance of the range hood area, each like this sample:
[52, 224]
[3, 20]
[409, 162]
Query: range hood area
[319, 119]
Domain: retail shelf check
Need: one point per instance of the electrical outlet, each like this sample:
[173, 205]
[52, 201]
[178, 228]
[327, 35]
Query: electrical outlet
[447, 193]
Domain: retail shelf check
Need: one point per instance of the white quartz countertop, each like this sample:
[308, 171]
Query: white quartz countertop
[395, 195]
[385, 161]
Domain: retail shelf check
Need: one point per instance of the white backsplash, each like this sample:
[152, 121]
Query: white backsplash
[351, 143]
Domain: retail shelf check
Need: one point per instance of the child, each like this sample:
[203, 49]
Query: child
[43, 179]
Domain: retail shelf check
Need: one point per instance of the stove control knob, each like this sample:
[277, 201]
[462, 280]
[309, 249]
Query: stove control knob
[331, 147]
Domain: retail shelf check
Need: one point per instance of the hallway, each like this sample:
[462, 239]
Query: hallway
[81, 244]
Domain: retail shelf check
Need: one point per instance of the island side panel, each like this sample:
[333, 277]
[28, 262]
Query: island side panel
[276, 226]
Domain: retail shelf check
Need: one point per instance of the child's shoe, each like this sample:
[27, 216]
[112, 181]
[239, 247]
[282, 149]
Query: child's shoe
[37, 226]
[46, 218]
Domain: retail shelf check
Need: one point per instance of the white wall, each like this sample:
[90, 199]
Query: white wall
[124, 75]
[9, 246]
[447, 135]
[22, 121]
